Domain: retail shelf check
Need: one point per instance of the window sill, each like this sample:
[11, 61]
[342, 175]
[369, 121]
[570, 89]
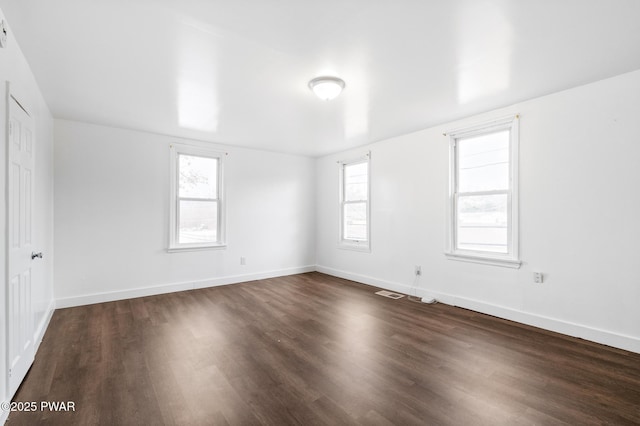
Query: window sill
[485, 260]
[196, 248]
[355, 247]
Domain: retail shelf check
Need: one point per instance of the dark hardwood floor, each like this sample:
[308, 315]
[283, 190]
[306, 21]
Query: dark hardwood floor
[313, 349]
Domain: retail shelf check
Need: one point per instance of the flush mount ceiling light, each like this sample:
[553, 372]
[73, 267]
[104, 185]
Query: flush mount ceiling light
[326, 88]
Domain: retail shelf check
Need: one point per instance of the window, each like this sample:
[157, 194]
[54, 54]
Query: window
[197, 203]
[483, 201]
[354, 204]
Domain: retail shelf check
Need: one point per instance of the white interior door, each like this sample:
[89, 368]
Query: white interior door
[20, 173]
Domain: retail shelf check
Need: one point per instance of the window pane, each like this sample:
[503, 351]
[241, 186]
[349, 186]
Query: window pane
[483, 162]
[355, 221]
[482, 223]
[198, 177]
[355, 182]
[198, 222]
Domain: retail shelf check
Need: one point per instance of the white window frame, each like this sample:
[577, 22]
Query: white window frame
[357, 245]
[175, 150]
[512, 258]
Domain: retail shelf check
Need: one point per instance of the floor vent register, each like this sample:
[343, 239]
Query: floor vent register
[389, 294]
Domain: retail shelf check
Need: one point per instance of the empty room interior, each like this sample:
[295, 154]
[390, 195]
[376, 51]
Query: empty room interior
[344, 213]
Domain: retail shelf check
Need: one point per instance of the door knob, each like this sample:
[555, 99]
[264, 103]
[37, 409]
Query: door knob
[34, 255]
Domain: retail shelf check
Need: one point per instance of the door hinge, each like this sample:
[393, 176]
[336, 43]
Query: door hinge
[9, 373]
[10, 128]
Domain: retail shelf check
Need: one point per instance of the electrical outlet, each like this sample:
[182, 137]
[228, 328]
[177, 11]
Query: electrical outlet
[418, 270]
[537, 277]
[243, 260]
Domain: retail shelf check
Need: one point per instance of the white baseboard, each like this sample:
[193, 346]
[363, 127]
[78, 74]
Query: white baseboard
[44, 324]
[365, 279]
[604, 337]
[4, 415]
[89, 299]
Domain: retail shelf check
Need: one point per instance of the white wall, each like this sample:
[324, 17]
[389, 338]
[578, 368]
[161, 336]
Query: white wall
[111, 208]
[579, 211]
[15, 69]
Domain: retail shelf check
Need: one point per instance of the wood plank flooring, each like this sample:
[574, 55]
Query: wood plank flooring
[312, 349]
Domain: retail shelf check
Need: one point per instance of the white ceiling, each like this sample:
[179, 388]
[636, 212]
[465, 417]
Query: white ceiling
[236, 71]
